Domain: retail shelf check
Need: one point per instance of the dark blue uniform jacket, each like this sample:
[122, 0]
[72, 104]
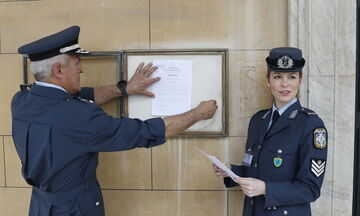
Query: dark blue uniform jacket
[290, 158]
[58, 137]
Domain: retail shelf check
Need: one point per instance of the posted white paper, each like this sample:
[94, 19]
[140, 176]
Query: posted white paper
[173, 91]
[219, 164]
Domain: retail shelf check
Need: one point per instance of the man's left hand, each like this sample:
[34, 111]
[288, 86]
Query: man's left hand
[141, 80]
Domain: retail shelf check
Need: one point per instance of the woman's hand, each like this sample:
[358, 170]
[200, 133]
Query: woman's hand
[219, 172]
[251, 186]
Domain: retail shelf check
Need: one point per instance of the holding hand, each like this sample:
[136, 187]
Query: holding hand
[141, 80]
[219, 172]
[251, 186]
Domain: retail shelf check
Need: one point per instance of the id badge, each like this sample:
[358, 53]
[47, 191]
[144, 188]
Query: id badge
[247, 158]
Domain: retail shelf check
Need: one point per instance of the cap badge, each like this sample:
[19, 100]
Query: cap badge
[285, 62]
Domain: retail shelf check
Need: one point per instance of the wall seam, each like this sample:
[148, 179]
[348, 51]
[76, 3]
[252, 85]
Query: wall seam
[3, 146]
[151, 169]
[334, 107]
[227, 203]
[149, 24]
[307, 42]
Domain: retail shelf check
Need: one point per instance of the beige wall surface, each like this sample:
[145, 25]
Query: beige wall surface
[173, 179]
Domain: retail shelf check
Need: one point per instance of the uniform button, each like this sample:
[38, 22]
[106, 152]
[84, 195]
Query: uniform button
[279, 151]
[249, 149]
[67, 100]
[285, 213]
[274, 207]
[269, 208]
[255, 165]
[97, 203]
[252, 202]
[259, 146]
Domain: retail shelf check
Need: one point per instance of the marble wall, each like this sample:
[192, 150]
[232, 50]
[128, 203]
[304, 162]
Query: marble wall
[172, 179]
[325, 30]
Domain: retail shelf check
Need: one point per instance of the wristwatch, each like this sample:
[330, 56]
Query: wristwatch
[122, 86]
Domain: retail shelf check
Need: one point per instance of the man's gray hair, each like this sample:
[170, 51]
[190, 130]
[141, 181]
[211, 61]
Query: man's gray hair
[42, 69]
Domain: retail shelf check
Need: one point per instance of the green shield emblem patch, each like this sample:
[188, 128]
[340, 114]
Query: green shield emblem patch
[277, 161]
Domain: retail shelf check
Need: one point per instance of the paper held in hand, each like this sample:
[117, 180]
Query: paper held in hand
[219, 164]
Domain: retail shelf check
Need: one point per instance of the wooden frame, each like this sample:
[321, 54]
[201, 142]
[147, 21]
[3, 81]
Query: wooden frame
[220, 126]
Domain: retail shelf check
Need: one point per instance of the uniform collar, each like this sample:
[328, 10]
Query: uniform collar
[285, 107]
[285, 119]
[49, 85]
[49, 92]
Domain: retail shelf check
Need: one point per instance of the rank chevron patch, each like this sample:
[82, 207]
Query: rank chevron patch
[318, 167]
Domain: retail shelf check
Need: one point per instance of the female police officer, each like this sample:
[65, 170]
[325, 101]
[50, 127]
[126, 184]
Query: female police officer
[285, 156]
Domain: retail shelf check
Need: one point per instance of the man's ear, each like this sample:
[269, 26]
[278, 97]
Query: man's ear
[56, 70]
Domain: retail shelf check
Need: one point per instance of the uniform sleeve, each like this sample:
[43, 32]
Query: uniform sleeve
[310, 175]
[105, 133]
[87, 93]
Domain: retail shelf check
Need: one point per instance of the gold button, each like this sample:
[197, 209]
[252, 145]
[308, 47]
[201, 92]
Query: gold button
[279, 151]
[285, 213]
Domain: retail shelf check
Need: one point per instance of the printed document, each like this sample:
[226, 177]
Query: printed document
[173, 92]
[219, 164]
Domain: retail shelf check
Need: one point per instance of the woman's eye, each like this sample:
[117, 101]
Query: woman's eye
[293, 77]
[276, 77]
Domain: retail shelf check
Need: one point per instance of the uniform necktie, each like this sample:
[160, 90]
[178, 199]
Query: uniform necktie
[275, 117]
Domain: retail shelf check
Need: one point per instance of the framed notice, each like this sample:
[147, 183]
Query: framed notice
[187, 78]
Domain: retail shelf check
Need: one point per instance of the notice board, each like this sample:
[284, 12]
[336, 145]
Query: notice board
[209, 70]
[209, 82]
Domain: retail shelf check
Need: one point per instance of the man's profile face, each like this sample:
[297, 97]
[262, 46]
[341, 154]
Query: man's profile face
[72, 74]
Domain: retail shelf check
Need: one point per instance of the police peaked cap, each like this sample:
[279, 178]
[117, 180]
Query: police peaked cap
[285, 59]
[65, 41]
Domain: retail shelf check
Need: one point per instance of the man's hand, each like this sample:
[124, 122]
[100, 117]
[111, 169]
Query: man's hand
[141, 80]
[206, 109]
[219, 172]
[178, 123]
[251, 186]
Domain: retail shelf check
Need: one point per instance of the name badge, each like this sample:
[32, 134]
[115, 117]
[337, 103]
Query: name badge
[247, 158]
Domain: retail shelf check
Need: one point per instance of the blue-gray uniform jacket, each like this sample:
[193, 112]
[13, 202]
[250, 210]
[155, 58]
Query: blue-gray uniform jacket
[58, 137]
[290, 158]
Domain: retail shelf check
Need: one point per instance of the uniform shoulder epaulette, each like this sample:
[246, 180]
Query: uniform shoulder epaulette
[263, 113]
[83, 100]
[307, 111]
[25, 87]
[263, 110]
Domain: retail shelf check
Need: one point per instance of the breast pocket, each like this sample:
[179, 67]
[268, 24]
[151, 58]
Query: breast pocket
[280, 162]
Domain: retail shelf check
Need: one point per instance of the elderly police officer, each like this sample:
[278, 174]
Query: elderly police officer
[285, 156]
[58, 135]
